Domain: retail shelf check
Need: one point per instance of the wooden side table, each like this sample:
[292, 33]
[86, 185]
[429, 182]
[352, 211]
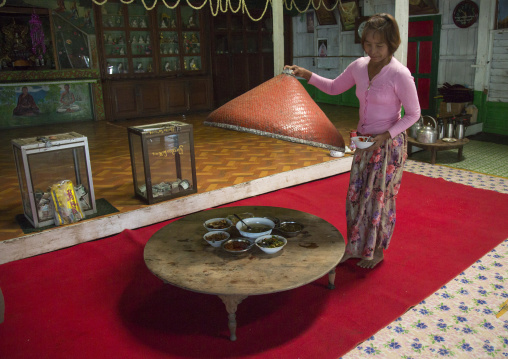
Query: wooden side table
[439, 145]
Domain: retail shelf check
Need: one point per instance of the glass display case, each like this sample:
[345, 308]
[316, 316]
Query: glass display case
[42, 162]
[179, 39]
[163, 41]
[162, 158]
[127, 40]
[40, 39]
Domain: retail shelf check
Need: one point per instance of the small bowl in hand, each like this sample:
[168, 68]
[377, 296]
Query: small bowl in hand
[362, 142]
[216, 238]
[271, 243]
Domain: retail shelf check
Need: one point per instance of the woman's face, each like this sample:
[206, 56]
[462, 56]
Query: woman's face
[376, 47]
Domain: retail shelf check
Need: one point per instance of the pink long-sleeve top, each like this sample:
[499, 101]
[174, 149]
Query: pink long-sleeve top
[380, 99]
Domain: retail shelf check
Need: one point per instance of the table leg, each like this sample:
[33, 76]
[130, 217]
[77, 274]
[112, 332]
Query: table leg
[460, 153]
[231, 302]
[409, 149]
[433, 156]
[331, 279]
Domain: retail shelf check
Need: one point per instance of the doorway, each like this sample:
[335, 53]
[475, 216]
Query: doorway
[424, 35]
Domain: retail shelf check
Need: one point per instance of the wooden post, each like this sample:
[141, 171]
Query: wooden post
[486, 20]
[278, 37]
[402, 17]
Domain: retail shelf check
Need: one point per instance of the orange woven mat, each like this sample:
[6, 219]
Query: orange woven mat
[279, 108]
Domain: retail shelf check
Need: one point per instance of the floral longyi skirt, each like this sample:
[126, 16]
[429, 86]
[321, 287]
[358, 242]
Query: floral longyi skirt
[370, 203]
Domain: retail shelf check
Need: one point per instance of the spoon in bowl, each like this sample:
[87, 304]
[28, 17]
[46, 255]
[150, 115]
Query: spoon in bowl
[241, 220]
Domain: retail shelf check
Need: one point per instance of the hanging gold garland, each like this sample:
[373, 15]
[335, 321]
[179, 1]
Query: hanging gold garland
[225, 5]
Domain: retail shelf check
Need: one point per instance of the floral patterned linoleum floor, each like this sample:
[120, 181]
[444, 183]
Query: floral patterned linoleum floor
[462, 319]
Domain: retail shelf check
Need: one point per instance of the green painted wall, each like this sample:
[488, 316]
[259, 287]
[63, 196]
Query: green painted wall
[347, 98]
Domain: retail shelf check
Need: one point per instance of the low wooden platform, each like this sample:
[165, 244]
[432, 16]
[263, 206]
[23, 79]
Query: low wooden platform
[230, 166]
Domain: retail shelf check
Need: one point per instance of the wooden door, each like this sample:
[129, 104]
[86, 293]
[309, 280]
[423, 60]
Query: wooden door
[423, 59]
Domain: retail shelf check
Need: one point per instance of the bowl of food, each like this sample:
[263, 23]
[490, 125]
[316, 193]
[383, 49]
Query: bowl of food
[237, 245]
[258, 227]
[218, 224]
[271, 243]
[290, 228]
[216, 238]
[362, 141]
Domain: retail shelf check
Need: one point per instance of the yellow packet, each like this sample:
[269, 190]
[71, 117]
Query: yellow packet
[65, 203]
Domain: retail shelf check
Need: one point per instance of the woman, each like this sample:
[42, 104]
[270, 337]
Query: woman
[383, 84]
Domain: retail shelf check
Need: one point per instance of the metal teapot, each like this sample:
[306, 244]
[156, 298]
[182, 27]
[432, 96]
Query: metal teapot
[413, 130]
[427, 134]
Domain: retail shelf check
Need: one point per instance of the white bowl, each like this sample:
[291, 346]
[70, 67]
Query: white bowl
[361, 142]
[267, 249]
[208, 237]
[217, 227]
[255, 222]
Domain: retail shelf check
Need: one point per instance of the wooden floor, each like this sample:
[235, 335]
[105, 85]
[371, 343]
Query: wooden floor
[224, 158]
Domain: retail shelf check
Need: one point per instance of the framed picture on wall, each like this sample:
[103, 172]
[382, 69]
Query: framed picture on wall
[502, 14]
[324, 16]
[421, 7]
[310, 21]
[348, 12]
[322, 47]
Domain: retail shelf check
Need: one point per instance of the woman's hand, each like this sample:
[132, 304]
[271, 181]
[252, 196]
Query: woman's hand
[299, 71]
[379, 140]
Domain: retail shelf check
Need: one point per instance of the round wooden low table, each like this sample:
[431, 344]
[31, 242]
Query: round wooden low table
[179, 255]
[439, 145]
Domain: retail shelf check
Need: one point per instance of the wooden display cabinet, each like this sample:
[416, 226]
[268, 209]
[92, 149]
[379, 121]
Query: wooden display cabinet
[242, 53]
[151, 60]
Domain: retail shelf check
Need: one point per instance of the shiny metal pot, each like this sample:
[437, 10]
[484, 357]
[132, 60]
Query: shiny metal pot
[413, 130]
[427, 134]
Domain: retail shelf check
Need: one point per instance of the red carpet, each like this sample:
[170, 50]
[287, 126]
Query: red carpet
[98, 300]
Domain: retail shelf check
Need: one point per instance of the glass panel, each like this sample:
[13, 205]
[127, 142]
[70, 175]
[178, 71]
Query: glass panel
[220, 22]
[143, 65]
[267, 44]
[170, 164]
[117, 66]
[72, 45]
[169, 43]
[169, 64]
[190, 19]
[66, 164]
[221, 44]
[138, 168]
[251, 25]
[192, 42]
[192, 63]
[236, 22]
[25, 195]
[237, 43]
[252, 43]
[166, 18]
[114, 43]
[140, 43]
[112, 15]
[138, 17]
